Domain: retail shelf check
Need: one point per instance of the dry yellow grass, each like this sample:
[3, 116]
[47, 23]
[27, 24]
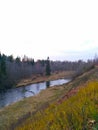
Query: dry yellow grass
[75, 113]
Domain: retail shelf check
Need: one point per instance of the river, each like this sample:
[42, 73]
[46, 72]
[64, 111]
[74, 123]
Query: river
[17, 94]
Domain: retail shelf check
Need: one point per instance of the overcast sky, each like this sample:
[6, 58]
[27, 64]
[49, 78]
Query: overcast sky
[60, 29]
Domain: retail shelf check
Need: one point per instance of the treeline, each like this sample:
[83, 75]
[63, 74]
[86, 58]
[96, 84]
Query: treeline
[13, 70]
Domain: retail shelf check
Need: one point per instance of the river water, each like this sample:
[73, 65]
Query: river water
[17, 94]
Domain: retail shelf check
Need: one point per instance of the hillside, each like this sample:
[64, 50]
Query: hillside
[52, 99]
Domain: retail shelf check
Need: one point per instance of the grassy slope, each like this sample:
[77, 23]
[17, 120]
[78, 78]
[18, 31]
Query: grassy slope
[76, 113]
[14, 112]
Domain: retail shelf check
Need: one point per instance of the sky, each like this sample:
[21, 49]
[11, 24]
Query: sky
[60, 29]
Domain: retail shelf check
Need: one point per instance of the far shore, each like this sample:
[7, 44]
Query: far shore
[40, 78]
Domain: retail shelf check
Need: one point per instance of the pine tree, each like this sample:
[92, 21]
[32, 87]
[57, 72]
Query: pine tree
[48, 70]
[2, 72]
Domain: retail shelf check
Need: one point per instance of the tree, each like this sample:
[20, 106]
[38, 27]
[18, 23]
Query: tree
[48, 70]
[10, 58]
[3, 75]
[17, 60]
[32, 62]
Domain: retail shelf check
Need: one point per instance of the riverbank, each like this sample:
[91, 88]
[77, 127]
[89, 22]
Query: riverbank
[12, 115]
[16, 113]
[40, 78]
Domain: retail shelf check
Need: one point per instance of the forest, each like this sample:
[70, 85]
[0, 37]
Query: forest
[12, 70]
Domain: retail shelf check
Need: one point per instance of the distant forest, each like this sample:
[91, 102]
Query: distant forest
[12, 70]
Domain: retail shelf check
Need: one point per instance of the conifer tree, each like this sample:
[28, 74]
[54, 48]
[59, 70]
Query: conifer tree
[2, 71]
[48, 70]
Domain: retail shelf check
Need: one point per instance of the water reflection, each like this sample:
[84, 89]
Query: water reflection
[16, 94]
[47, 84]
